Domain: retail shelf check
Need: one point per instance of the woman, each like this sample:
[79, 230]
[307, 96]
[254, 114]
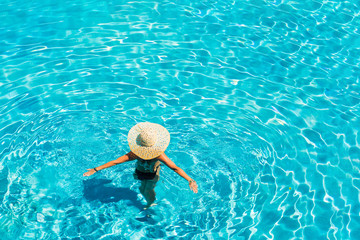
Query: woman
[147, 142]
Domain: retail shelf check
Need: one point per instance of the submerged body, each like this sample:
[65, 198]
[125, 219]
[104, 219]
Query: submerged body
[148, 171]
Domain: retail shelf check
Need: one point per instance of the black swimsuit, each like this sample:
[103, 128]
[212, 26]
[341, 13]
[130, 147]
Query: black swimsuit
[151, 168]
[145, 175]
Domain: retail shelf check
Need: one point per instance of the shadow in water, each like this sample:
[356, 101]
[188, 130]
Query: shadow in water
[95, 189]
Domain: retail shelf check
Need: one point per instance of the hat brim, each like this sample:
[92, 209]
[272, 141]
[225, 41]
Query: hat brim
[162, 142]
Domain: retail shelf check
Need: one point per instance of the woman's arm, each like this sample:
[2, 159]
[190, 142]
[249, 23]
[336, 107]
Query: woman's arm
[192, 184]
[125, 158]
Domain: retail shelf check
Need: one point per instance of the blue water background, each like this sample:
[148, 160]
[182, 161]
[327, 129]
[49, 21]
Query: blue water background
[261, 99]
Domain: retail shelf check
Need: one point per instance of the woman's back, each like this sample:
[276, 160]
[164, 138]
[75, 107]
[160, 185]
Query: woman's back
[147, 165]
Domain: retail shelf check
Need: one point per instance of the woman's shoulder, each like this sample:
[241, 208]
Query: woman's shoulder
[163, 157]
[132, 155]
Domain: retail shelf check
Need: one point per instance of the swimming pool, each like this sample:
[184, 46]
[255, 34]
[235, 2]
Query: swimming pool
[261, 99]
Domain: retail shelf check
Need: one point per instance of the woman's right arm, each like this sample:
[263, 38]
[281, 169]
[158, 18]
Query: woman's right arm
[125, 158]
[192, 184]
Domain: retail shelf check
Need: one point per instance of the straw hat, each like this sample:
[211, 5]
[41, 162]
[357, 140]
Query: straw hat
[148, 140]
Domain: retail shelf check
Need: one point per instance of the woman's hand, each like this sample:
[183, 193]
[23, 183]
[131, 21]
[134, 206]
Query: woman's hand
[193, 186]
[89, 172]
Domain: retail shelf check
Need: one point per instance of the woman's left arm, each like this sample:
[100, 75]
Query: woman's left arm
[164, 159]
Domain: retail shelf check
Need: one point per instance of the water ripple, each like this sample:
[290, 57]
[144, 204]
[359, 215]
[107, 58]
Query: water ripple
[261, 102]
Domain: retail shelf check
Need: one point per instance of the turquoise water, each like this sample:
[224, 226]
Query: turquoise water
[261, 99]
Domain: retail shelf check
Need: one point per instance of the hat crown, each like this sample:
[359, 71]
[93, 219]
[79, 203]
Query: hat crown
[146, 138]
